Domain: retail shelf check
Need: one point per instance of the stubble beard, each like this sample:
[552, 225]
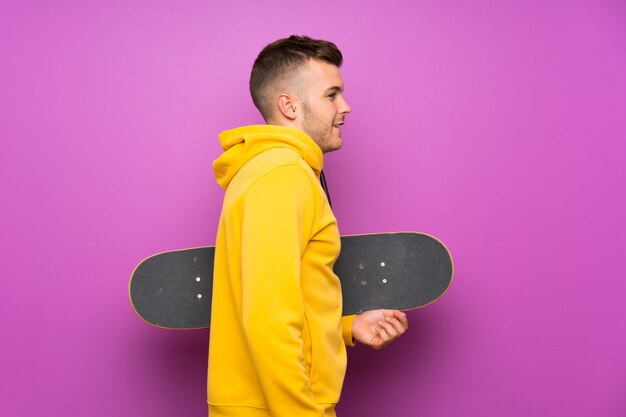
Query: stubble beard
[316, 128]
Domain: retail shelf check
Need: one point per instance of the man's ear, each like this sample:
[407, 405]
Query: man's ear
[287, 105]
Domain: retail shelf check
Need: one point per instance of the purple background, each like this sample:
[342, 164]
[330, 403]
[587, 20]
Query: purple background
[498, 126]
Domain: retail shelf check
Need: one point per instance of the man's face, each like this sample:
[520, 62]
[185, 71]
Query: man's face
[323, 106]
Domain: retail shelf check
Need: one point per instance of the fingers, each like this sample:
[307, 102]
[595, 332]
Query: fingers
[402, 318]
[386, 334]
[386, 331]
[383, 338]
[394, 326]
[397, 314]
[397, 325]
[378, 328]
[398, 319]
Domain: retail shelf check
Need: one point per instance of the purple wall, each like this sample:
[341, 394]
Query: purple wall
[499, 127]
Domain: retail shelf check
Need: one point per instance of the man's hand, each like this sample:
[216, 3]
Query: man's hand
[378, 328]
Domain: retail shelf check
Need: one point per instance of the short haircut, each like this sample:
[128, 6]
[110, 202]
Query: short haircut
[280, 63]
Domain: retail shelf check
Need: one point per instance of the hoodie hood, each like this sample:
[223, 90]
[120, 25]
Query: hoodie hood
[244, 143]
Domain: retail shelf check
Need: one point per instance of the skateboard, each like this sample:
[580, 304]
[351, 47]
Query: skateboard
[402, 271]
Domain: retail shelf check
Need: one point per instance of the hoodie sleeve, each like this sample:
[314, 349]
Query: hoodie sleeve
[346, 330]
[276, 225]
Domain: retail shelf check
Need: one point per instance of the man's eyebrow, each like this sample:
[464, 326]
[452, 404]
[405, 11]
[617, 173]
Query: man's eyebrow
[335, 88]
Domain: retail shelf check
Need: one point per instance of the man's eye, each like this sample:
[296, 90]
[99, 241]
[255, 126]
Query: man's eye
[332, 96]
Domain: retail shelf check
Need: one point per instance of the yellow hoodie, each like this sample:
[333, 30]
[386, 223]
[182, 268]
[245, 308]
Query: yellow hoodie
[277, 344]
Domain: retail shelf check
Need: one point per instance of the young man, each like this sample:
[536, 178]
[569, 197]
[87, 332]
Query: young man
[277, 344]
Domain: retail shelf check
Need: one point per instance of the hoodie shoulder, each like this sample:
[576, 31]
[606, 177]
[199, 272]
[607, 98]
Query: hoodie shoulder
[266, 162]
[271, 159]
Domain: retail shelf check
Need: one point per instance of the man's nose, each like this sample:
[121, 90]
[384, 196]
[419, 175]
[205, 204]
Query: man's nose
[345, 108]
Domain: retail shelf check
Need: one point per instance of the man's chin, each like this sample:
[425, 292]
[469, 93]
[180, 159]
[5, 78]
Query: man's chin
[333, 147]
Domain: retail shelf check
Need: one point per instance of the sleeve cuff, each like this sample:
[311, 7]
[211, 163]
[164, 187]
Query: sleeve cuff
[346, 328]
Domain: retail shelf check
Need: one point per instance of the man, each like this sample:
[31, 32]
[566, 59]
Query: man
[277, 344]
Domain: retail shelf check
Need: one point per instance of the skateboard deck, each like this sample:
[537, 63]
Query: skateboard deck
[401, 271]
